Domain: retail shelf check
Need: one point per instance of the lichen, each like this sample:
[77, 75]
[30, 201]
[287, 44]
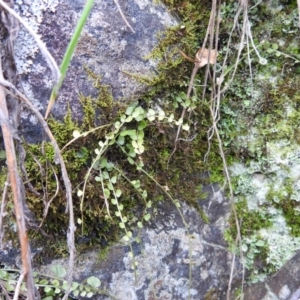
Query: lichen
[258, 127]
[259, 121]
[25, 45]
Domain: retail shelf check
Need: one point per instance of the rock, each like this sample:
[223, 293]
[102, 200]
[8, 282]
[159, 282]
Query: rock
[163, 257]
[284, 285]
[107, 47]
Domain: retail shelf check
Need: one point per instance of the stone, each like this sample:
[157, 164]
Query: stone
[164, 257]
[284, 285]
[107, 47]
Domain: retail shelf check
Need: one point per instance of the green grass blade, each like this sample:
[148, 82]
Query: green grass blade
[69, 53]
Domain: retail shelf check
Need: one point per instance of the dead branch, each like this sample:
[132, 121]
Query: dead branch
[18, 286]
[2, 210]
[58, 160]
[9, 131]
[18, 196]
[123, 16]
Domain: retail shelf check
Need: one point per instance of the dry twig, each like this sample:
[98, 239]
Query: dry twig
[123, 16]
[18, 196]
[2, 210]
[59, 160]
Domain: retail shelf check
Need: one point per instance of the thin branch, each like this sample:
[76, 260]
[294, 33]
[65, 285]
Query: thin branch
[123, 16]
[47, 205]
[18, 286]
[59, 160]
[18, 198]
[2, 213]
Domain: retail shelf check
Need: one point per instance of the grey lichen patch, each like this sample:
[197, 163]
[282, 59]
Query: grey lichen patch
[260, 127]
[263, 183]
[25, 46]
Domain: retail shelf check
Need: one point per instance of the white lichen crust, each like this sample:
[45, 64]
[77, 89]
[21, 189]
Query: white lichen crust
[25, 46]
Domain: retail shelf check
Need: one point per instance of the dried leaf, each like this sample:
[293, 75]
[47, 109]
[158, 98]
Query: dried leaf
[203, 55]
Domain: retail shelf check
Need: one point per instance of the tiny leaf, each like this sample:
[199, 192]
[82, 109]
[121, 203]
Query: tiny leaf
[126, 238]
[76, 134]
[58, 271]
[130, 160]
[94, 281]
[118, 193]
[122, 225]
[47, 289]
[106, 193]
[117, 125]
[89, 294]
[140, 224]
[147, 217]
[142, 125]
[186, 127]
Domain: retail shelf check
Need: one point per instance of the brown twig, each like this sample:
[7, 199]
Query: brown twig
[18, 286]
[18, 198]
[123, 16]
[2, 213]
[59, 160]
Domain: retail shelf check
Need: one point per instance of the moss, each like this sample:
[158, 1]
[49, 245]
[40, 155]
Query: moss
[181, 175]
[212, 294]
[283, 200]
[250, 221]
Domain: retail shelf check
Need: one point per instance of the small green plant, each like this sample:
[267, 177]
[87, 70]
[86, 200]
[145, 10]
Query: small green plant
[127, 135]
[53, 286]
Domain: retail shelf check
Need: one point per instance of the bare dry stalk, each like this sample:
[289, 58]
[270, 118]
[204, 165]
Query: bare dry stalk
[2, 210]
[58, 160]
[215, 114]
[18, 198]
[204, 57]
[123, 16]
[18, 286]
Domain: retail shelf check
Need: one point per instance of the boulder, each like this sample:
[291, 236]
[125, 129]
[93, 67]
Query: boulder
[107, 47]
[170, 265]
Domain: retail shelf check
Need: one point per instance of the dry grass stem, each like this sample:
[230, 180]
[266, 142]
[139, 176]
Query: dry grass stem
[2, 210]
[123, 16]
[59, 160]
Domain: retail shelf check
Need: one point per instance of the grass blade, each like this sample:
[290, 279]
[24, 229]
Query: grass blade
[69, 53]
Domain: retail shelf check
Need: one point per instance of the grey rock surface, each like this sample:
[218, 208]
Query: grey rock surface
[164, 261]
[165, 256]
[284, 285]
[107, 47]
